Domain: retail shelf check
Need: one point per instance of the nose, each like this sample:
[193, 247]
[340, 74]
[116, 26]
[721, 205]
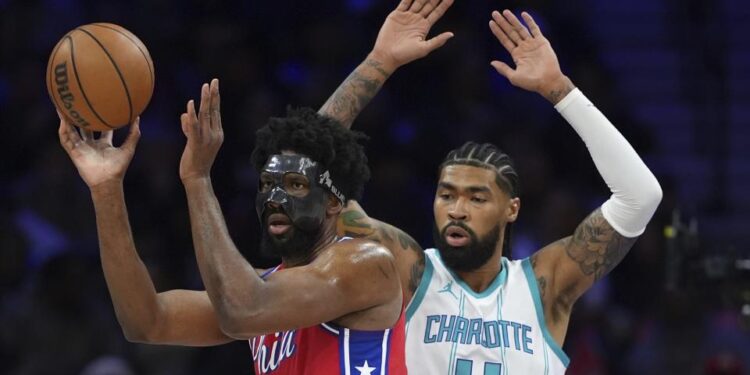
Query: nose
[278, 197]
[458, 211]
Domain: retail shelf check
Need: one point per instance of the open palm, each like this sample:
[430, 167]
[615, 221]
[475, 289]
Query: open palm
[97, 160]
[535, 60]
[403, 36]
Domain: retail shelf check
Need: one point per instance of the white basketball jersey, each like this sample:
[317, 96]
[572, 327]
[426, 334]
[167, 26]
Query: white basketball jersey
[452, 330]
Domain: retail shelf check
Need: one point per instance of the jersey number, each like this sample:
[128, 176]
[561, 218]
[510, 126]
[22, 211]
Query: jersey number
[463, 367]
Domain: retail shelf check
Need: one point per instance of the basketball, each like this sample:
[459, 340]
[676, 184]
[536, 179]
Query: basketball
[100, 76]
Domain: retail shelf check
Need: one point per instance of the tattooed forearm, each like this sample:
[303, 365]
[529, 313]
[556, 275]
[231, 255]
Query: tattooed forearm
[597, 247]
[353, 95]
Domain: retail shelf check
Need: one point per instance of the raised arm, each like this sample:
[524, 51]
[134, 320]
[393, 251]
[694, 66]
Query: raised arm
[401, 40]
[177, 317]
[569, 267]
[352, 277]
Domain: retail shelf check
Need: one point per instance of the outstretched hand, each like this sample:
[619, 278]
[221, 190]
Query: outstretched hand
[403, 37]
[96, 159]
[204, 133]
[537, 68]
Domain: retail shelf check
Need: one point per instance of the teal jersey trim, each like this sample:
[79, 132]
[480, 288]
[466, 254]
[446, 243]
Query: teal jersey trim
[534, 288]
[496, 283]
[421, 289]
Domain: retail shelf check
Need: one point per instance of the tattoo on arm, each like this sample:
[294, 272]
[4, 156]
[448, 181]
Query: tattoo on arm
[540, 280]
[416, 272]
[559, 91]
[353, 95]
[597, 247]
[358, 225]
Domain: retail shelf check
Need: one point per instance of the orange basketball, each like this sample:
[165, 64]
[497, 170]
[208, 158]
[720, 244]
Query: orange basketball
[100, 76]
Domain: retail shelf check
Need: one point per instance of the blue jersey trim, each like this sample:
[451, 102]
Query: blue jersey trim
[499, 280]
[416, 300]
[269, 271]
[534, 288]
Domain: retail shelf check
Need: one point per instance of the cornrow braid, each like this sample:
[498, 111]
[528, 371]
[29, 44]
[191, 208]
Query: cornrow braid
[489, 156]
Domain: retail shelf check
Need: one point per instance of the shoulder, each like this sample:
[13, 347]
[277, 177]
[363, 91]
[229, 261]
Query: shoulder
[358, 254]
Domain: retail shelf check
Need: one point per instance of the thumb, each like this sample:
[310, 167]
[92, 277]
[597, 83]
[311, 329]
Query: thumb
[503, 69]
[185, 124]
[135, 133]
[438, 41]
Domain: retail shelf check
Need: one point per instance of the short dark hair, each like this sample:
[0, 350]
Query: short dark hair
[490, 157]
[320, 138]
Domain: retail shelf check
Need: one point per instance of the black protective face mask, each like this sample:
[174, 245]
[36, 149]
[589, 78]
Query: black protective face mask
[306, 213]
[470, 257]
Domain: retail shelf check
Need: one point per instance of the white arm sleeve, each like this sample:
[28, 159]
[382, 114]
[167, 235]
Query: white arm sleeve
[635, 191]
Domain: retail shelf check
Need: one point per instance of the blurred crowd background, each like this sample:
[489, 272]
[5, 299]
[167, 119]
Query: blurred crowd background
[672, 75]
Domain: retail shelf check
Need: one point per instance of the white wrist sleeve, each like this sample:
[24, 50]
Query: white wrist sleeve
[635, 191]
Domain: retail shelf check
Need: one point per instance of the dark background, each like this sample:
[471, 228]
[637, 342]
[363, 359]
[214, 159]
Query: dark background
[671, 75]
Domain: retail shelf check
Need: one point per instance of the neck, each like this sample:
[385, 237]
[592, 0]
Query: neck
[481, 278]
[327, 237]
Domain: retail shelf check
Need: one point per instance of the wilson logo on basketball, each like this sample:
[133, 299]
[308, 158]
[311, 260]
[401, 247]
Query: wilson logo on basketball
[67, 98]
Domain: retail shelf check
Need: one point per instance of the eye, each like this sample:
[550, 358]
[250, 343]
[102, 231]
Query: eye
[298, 185]
[265, 185]
[444, 196]
[478, 200]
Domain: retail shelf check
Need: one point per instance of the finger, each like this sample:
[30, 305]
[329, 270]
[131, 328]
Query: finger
[517, 25]
[192, 118]
[87, 135]
[69, 138]
[502, 37]
[438, 41]
[536, 32]
[417, 5]
[503, 69]
[133, 136]
[404, 5]
[428, 7]
[106, 137]
[185, 123]
[215, 105]
[439, 10]
[204, 111]
[506, 27]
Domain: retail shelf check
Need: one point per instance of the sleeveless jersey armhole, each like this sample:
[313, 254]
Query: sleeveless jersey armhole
[534, 289]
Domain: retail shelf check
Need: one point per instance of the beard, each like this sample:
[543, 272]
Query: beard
[294, 244]
[470, 257]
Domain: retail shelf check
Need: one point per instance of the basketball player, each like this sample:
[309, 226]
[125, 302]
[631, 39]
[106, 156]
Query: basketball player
[474, 311]
[334, 305]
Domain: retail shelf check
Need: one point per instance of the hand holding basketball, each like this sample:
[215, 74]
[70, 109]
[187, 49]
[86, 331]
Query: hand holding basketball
[96, 159]
[204, 133]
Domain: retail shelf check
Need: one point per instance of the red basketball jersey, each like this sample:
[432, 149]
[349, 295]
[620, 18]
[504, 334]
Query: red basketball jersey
[327, 349]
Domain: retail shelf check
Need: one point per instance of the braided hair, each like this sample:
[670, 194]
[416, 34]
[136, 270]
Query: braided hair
[489, 156]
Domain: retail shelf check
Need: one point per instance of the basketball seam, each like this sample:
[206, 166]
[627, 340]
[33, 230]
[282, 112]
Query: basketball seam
[83, 92]
[122, 79]
[148, 64]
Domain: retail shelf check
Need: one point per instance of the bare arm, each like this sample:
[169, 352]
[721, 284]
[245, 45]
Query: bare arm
[401, 40]
[178, 317]
[354, 222]
[351, 277]
[569, 267]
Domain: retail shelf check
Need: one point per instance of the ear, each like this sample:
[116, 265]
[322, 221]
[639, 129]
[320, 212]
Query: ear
[511, 214]
[334, 206]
